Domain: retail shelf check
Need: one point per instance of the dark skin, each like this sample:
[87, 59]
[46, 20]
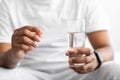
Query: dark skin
[24, 39]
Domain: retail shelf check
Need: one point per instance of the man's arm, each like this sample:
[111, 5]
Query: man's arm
[100, 42]
[7, 57]
[23, 40]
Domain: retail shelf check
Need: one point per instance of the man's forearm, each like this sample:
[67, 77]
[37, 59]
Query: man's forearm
[106, 53]
[10, 58]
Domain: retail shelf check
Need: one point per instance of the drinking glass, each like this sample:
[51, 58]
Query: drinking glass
[76, 37]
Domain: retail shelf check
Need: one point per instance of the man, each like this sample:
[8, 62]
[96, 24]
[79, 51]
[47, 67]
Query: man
[25, 22]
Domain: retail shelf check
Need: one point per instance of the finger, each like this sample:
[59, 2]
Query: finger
[24, 47]
[81, 69]
[85, 51]
[74, 60]
[89, 67]
[90, 58]
[26, 40]
[71, 51]
[29, 34]
[78, 69]
[34, 29]
[30, 28]
[79, 60]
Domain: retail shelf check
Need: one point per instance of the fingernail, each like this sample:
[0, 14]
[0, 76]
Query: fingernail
[36, 43]
[37, 38]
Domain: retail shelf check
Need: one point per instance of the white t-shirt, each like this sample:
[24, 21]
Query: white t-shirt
[52, 17]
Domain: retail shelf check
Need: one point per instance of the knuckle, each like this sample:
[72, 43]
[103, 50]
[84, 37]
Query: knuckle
[92, 57]
[25, 47]
[26, 27]
[88, 50]
[24, 38]
[86, 59]
[16, 30]
[25, 31]
[33, 35]
[21, 46]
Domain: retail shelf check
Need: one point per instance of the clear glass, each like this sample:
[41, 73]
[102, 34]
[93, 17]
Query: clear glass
[76, 37]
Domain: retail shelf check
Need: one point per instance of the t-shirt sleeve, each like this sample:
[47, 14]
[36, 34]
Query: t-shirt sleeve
[95, 17]
[5, 23]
